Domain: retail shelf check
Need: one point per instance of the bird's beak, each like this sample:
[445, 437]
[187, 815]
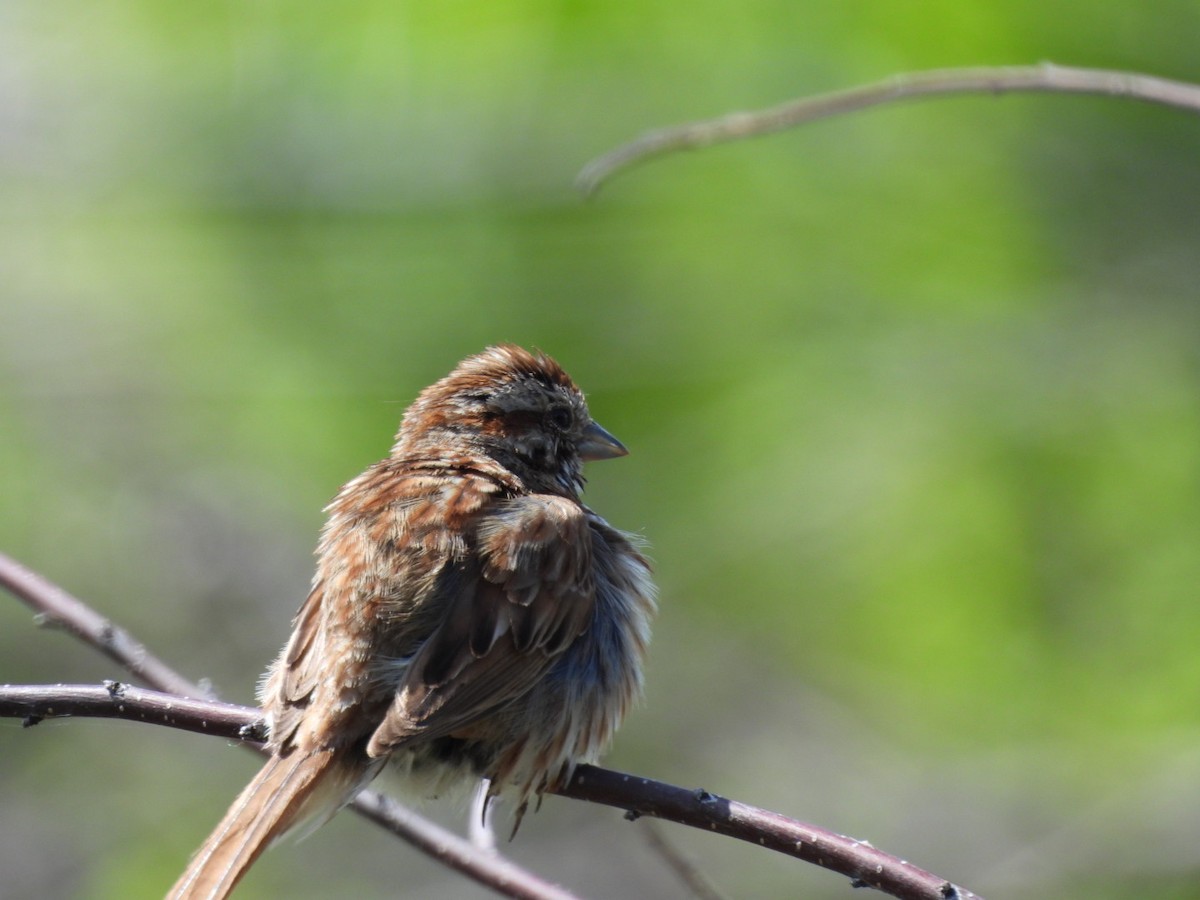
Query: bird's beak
[599, 444]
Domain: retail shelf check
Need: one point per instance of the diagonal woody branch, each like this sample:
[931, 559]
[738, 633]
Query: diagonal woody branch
[865, 865]
[639, 796]
[1045, 78]
[57, 608]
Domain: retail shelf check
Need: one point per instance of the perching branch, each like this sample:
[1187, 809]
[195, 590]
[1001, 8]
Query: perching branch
[866, 866]
[115, 700]
[55, 607]
[936, 83]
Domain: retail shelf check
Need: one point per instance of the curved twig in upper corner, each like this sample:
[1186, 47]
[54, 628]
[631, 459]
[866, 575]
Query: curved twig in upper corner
[736, 126]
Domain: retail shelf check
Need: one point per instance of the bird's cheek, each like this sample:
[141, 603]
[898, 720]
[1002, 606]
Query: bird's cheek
[539, 450]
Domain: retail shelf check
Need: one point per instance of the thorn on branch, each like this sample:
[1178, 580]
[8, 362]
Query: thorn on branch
[47, 621]
[30, 721]
[255, 732]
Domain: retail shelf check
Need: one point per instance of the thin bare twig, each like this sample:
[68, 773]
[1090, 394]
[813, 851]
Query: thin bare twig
[56, 606]
[492, 870]
[865, 865]
[697, 882]
[116, 700]
[936, 83]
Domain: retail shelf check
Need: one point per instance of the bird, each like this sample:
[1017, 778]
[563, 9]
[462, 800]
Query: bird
[469, 617]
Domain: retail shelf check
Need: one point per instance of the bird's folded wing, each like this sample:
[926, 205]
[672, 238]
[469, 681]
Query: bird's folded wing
[515, 605]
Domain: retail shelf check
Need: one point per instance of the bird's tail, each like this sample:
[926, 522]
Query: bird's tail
[287, 792]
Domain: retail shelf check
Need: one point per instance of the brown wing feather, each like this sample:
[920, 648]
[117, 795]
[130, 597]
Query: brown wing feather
[304, 631]
[368, 611]
[519, 601]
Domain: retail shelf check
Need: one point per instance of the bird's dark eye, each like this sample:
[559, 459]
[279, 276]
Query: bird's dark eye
[559, 417]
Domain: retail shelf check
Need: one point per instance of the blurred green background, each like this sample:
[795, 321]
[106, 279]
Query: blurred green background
[913, 399]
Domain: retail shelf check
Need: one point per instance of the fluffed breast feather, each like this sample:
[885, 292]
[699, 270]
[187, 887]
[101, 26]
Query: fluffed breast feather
[516, 604]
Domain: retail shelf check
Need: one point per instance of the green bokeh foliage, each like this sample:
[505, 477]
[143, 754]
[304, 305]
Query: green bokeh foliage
[913, 398]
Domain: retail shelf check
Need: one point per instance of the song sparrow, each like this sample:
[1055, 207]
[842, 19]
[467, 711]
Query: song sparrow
[468, 617]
